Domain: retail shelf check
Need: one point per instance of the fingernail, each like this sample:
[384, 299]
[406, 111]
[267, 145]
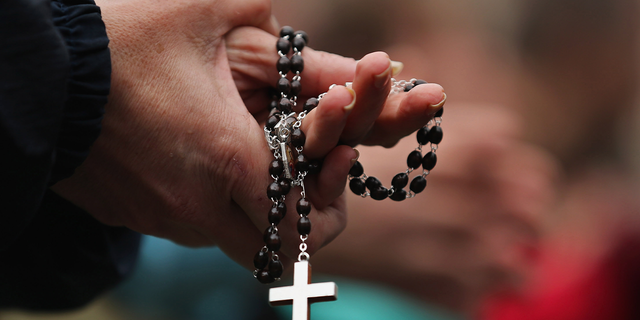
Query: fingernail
[353, 161]
[396, 67]
[349, 107]
[382, 79]
[441, 103]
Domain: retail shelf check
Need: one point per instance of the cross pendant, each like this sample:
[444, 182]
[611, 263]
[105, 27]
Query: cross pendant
[303, 292]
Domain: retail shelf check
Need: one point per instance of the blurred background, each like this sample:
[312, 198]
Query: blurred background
[532, 211]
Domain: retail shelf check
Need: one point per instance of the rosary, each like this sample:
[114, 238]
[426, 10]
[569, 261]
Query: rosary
[290, 167]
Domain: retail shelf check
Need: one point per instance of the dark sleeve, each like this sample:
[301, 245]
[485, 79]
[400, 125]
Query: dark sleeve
[34, 66]
[55, 73]
[54, 80]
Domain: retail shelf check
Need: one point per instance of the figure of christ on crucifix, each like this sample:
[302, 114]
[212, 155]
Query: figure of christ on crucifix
[303, 292]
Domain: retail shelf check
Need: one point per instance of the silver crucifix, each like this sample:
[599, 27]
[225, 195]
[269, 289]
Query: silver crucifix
[303, 292]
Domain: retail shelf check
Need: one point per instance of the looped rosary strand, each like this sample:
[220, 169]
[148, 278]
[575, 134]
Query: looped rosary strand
[430, 134]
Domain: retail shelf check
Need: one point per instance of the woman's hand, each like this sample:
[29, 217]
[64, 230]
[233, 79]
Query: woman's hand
[182, 156]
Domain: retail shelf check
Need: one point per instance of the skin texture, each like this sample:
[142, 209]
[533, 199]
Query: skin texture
[182, 153]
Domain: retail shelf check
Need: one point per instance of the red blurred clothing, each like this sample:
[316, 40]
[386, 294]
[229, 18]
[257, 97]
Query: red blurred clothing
[609, 290]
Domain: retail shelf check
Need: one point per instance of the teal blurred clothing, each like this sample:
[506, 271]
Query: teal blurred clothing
[174, 282]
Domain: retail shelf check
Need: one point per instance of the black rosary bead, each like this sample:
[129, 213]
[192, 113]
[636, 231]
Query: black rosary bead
[400, 181]
[435, 135]
[285, 186]
[275, 215]
[273, 93]
[264, 277]
[261, 259]
[275, 268]
[356, 170]
[286, 31]
[419, 82]
[276, 168]
[284, 86]
[315, 166]
[272, 121]
[414, 160]
[304, 226]
[408, 87]
[273, 106]
[429, 161]
[310, 104]
[372, 183]
[298, 138]
[418, 184]
[273, 242]
[423, 136]
[298, 43]
[379, 193]
[297, 63]
[290, 121]
[284, 105]
[282, 208]
[283, 45]
[304, 36]
[296, 87]
[274, 191]
[283, 65]
[303, 206]
[439, 113]
[267, 232]
[357, 186]
[302, 164]
[398, 195]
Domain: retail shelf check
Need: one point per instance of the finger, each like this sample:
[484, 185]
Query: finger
[328, 208]
[271, 26]
[325, 123]
[242, 249]
[255, 13]
[329, 184]
[413, 111]
[249, 193]
[256, 103]
[324, 69]
[252, 57]
[371, 84]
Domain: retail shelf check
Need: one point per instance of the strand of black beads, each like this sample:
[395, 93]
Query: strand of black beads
[267, 259]
[302, 166]
[283, 65]
[303, 207]
[430, 134]
[281, 135]
[268, 254]
[296, 41]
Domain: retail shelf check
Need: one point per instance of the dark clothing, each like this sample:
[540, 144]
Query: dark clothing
[54, 80]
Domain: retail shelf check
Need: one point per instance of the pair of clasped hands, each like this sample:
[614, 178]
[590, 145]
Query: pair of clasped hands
[182, 154]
